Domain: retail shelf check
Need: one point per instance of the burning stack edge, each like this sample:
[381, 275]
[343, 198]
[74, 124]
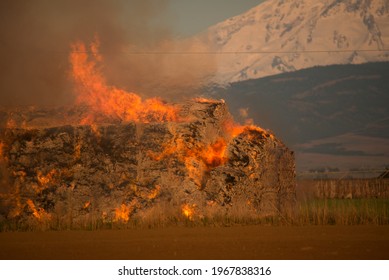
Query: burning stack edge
[60, 174]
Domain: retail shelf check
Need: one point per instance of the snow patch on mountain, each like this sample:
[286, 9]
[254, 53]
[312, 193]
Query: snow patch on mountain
[286, 35]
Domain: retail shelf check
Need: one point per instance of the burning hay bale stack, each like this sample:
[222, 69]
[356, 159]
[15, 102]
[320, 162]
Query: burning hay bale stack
[77, 174]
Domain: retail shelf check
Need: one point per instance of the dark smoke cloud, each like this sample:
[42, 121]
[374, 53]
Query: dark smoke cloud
[34, 46]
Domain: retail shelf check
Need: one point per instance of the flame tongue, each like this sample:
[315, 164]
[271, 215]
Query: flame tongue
[215, 154]
[93, 91]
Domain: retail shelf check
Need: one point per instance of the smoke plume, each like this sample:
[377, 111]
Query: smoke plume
[136, 46]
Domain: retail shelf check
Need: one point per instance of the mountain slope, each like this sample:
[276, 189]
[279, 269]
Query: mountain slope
[338, 110]
[286, 35]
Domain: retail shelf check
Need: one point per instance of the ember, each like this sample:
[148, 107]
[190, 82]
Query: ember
[188, 211]
[123, 213]
[37, 213]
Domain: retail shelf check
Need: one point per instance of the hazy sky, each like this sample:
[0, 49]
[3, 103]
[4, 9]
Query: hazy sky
[35, 39]
[192, 16]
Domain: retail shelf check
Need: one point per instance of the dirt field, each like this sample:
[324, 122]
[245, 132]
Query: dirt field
[238, 242]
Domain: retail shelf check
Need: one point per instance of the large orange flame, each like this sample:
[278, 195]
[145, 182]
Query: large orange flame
[93, 91]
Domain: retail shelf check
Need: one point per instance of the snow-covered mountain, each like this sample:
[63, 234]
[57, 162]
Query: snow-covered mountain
[286, 35]
[329, 115]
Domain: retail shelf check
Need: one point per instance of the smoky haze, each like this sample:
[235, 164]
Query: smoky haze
[136, 45]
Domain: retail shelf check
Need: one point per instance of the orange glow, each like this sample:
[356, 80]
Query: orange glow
[188, 211]
[33, 208]
[211, 155]
[122, 213]
[86, 205]
[197, 159]
[93, 91]
[154, 193]
[201, 158]
[45, 179]
[207, 100]
[234, 129]
[96, 131]
[37, 213]
[215, 154]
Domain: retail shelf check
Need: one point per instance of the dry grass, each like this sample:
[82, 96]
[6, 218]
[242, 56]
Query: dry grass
[342, 212]
[309, 210]
[342, 202]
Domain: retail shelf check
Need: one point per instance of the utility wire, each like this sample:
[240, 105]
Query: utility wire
[214, 52]
[242, 52]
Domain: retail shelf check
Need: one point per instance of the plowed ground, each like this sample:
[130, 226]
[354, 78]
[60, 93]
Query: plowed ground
[238, 242]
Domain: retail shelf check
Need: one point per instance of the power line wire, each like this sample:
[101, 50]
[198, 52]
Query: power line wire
[243, 52]
[216, 52]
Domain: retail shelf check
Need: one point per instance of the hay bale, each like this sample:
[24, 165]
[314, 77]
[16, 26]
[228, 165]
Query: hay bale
[114, 172]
